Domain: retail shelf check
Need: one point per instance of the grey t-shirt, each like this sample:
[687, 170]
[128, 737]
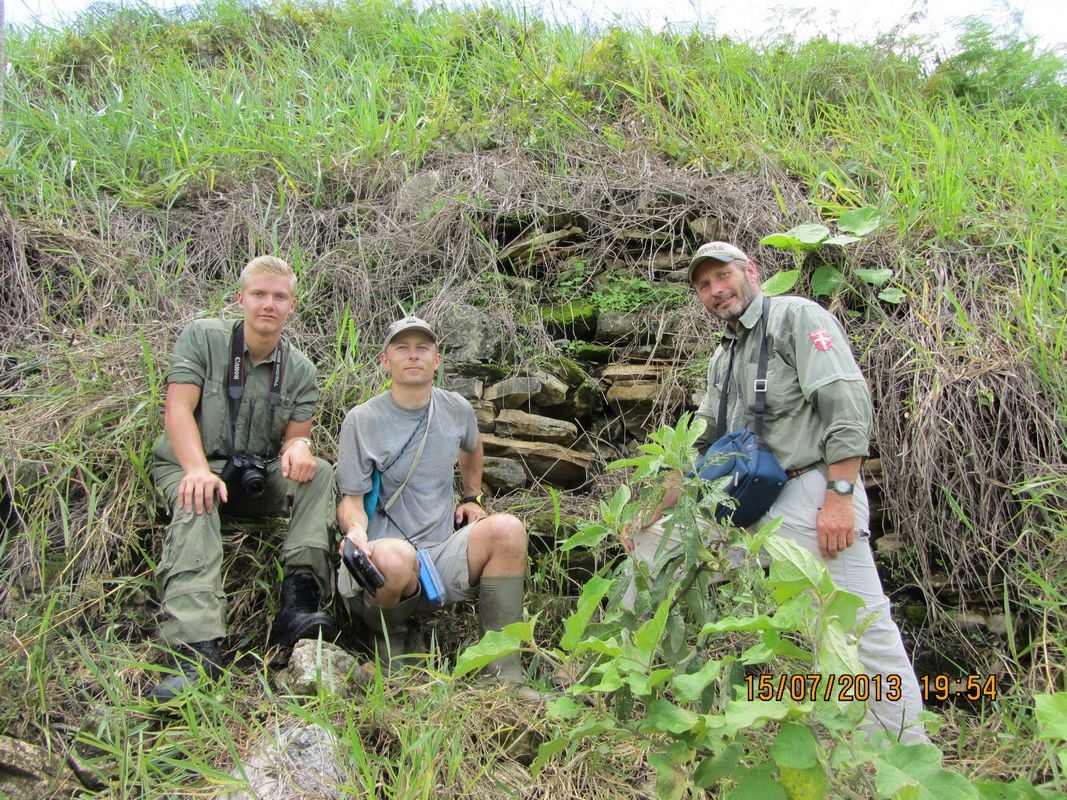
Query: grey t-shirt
[381, 435]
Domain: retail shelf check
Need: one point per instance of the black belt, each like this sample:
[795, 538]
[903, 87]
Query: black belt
[796, 473]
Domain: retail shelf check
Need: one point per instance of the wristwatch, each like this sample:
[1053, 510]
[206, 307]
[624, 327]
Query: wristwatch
[472, 498]
[840, 486]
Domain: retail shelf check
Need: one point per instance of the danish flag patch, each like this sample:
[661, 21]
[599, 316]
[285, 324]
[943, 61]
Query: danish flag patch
[821, 338]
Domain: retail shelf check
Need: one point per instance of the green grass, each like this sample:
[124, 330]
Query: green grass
[143, 156]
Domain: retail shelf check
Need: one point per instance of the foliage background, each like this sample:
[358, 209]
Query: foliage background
[144, 156]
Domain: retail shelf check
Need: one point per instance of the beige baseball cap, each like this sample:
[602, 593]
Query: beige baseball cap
[411, 323]
[720, 251]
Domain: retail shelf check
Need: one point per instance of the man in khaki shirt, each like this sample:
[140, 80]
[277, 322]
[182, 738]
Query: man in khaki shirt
[817, 421]
[237, 418]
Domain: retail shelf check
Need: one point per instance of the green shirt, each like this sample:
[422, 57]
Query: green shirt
[818, 404]
[202, 357]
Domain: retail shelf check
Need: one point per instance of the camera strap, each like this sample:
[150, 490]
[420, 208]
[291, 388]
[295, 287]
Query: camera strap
[236, 382]
[760, 386]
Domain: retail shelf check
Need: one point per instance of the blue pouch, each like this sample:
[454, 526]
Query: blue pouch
[433, 588]
[756, 477]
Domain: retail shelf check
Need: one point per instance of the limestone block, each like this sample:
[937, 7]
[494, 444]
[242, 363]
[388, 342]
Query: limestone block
[417, 193]
[618, 326]
[538, 388]
[294, 759]
[469, 335]
[520, 425]
[503, 475]
[558, 465]
[485, 415]
[333, 669]
[469, 387]
[633, 373]
[513, 392]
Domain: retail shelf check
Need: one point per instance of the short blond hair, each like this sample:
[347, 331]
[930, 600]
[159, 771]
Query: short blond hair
[268, 265]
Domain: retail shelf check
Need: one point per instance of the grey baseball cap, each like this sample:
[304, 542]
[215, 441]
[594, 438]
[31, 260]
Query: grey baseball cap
[411, 323]
[720, 251]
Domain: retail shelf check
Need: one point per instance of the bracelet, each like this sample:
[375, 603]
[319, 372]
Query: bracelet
[289, 442]
[472, 498]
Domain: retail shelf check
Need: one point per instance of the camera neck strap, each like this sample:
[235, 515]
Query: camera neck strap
[760, 385]
[236, 381]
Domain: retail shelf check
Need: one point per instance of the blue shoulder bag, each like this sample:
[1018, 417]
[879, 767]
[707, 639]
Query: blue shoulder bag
[756, 477]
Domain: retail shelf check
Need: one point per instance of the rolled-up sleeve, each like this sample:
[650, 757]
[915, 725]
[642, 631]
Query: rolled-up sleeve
[844, 407]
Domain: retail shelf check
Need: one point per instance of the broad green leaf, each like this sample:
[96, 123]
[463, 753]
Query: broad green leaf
[689, 687]
[642, 684]
[712, 770]
[795, 747]
[651, 631]
[618, 501]
[834, 653]
[892, 295]
[607, 647]
[781, 241]
[1051, 711]
[755, 783]
[919, 765]
[1019, 789]
[875, 277]
[564, 708]
[741, 715]
[826, 280]
[609, 679]
[843, 606]
[546, 751]
[662, 715]
[860, 221]
[804, 784]
[781, 282]
[588, 604]
[730, 624]
[493, 645]
[841, 240]
[672, 773]
[784, 648]
[792, 563]
[809, 233]
[589, 536]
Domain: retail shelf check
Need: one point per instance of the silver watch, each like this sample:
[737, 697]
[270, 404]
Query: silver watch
[840, 486]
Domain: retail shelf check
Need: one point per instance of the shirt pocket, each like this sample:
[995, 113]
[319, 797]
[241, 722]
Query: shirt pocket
[214, 420]
[282, 414]
[784, 394]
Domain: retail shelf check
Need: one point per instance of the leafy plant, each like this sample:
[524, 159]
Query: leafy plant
[666, 673]
[827, 280]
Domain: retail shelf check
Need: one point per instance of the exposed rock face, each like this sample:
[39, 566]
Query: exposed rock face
[538, 389]
[558, 465]
[503, 475]
[469, 335]
[328, 667]
[294, 760]
[27, 770]
[517, 424]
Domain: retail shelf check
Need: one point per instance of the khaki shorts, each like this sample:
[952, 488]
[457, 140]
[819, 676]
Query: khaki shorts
[450, 558]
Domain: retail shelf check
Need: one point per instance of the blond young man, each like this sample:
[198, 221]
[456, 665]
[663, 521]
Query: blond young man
[238, 416]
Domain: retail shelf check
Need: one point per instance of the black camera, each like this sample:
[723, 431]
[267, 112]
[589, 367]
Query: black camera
[360, 568]
[246, 474]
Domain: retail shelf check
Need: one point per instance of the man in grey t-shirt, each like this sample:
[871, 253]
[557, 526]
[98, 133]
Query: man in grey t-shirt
[412, 436]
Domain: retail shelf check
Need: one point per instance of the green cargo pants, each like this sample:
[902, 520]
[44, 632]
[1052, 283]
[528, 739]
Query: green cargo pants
[190, 570]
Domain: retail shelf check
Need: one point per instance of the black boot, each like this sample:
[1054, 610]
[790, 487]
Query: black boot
[300, 617]
[192, 660]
